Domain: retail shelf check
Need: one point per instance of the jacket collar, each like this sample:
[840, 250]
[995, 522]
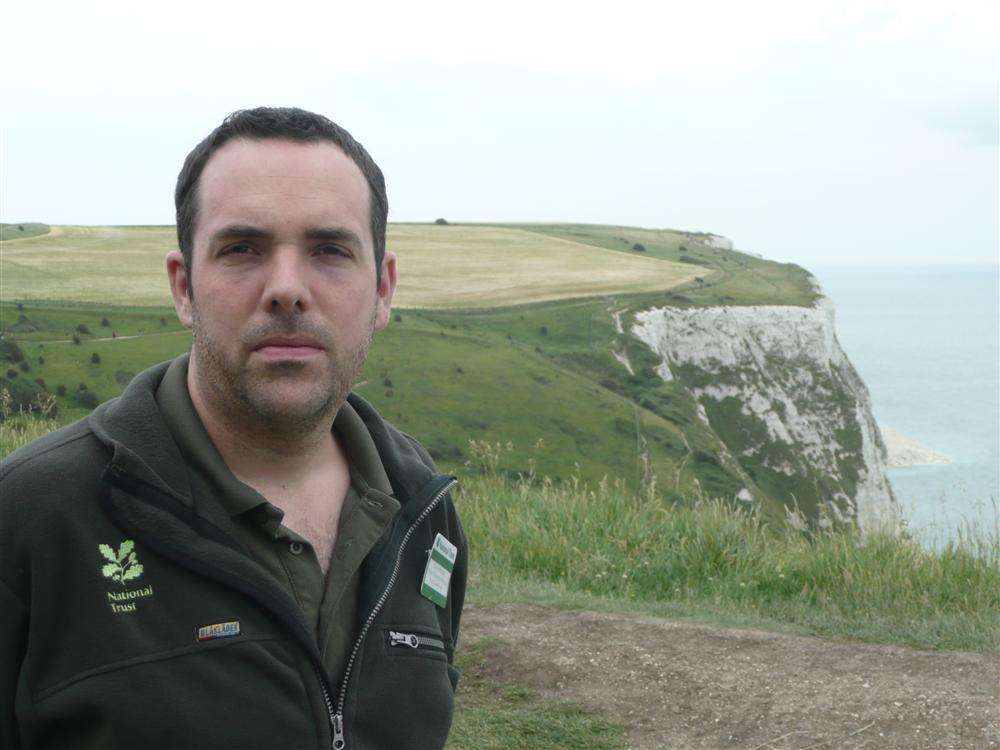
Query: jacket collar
[141, 445]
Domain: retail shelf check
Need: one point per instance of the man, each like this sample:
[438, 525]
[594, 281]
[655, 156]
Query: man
[238, 552]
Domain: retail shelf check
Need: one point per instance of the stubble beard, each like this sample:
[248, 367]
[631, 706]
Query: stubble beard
[245, 398]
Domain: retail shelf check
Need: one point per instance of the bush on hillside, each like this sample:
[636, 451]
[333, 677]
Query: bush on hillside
[10, 351]
[23, 364]
[11, 373]
[41, 383]
[441, 222]
[398, 318]
[544, 330]
[82, 387]
[82, 328]
[60, 390]
[95, 359]
[105, 322]
[41, 360]
[76, 339]
[639, 247]
[20, 307]
[87, 399]
[23, 325]
[683, 249]
[25, 396]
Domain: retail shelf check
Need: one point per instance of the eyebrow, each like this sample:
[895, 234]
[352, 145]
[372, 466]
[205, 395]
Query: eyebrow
[334, 234]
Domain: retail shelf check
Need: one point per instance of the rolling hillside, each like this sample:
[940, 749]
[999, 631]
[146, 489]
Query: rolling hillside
[505, 333]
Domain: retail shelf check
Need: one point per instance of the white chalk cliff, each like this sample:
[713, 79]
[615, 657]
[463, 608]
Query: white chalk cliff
[782, 396]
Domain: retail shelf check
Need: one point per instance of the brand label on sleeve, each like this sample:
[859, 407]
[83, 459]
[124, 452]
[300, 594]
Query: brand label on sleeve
[219, 630]
[437, 574]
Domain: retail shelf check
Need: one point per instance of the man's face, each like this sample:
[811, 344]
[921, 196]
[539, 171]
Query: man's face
[282, 248]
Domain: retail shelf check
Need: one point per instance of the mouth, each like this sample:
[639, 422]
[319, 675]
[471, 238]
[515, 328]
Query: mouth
[288, 348]
[287, 352]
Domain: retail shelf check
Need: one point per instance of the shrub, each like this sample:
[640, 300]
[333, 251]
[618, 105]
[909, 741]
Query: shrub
[23, 364]
[387, 383]
[95, 359]
[441, 222]
[11, 374]
[60, 390]
[88, 399]
[639, 247]
[82, 328]
[76, 339]
[41, 360]
[82, 387]
[544, 330]
[20, 307]
[105, 322]
[26, 396]
[41, 383]
[682, 249]
[163, 321]
[398, 318]
[10, 351]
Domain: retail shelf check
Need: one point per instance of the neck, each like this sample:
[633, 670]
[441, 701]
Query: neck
[259, 452]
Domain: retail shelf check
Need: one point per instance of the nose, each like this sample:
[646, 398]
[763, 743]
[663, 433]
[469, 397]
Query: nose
[286, 288]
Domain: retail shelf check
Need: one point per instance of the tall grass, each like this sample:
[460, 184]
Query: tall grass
[19, 428]
[611, 542]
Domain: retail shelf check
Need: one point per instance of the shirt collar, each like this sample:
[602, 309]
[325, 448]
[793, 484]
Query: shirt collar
[201, 455]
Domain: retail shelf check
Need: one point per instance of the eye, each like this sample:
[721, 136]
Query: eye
[240, 248]
[331, 250]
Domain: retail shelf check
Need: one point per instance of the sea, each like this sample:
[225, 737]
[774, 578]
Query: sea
[926, 342]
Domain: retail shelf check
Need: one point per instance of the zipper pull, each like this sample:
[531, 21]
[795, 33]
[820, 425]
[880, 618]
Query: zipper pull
[338, 732]
[403, 639]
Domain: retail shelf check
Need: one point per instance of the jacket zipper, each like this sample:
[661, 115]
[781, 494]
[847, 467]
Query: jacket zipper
[339, 740]
[414, 640]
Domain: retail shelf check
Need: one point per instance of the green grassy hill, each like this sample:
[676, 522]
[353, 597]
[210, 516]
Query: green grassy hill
[540, 376]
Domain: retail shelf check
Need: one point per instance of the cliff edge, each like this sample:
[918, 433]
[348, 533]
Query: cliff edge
[774, 385]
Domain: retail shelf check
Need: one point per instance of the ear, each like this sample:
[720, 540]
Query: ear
[386, 288]
[179, 286]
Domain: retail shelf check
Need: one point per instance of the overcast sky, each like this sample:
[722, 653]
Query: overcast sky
[817, 132]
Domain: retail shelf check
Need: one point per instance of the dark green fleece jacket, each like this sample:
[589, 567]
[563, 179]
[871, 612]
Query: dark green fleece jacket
[130, 615]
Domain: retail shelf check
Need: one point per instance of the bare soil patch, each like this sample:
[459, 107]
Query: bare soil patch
[682, 685]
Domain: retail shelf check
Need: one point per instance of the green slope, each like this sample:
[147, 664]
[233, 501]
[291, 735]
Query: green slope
[541, 376]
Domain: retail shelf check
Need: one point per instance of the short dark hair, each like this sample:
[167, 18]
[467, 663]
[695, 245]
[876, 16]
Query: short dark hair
[287, 123]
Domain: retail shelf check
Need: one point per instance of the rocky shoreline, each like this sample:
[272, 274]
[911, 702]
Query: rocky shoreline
[905, 451]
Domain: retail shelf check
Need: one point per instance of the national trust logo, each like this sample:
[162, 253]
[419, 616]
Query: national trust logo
[123, 566]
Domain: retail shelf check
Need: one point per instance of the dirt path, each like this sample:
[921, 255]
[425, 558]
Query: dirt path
[682, 685]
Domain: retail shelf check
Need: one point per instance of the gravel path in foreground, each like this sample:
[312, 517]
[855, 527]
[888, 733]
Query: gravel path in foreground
[683, 685]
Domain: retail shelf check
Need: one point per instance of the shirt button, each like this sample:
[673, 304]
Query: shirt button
[295, 548]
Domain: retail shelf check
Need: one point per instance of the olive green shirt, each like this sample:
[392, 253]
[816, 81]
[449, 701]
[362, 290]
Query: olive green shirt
[329, 604]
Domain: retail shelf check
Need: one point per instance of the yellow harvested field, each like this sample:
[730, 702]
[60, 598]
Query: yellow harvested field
[439, 266]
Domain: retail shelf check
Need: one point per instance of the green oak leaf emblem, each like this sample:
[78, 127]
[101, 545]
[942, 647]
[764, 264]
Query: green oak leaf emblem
[121, 566]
